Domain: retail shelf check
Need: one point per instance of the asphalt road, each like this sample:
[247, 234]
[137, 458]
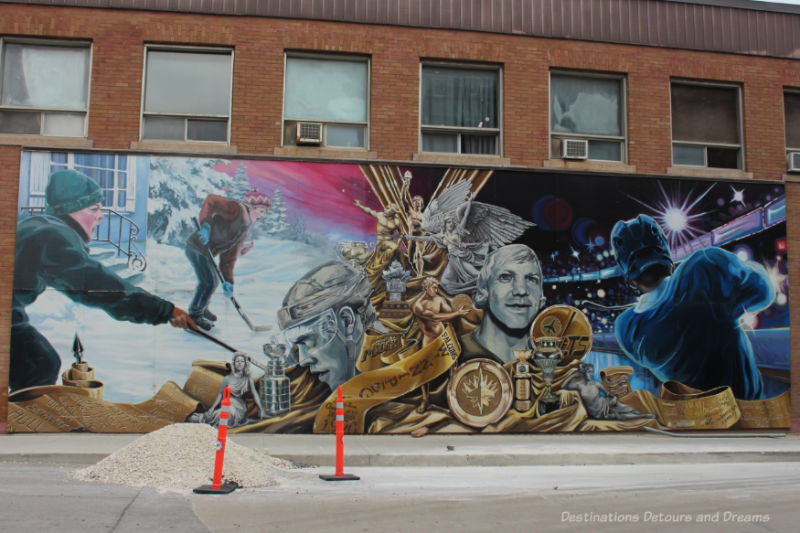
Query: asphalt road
[729, 497]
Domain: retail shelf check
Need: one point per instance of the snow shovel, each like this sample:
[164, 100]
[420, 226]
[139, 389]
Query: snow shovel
[233, 298]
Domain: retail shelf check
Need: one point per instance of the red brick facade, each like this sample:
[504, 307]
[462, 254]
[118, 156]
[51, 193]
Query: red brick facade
[118, 39]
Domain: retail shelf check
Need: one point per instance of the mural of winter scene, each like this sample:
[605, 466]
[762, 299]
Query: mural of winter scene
[440, 300]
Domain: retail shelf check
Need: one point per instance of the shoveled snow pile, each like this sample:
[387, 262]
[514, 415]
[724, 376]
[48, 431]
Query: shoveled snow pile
[180, 457]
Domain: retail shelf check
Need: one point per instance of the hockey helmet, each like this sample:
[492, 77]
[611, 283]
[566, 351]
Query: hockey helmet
[328, 286]
[639, 244]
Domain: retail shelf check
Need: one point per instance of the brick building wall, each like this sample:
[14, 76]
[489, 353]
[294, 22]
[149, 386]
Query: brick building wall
[118, 38]
[9, 177]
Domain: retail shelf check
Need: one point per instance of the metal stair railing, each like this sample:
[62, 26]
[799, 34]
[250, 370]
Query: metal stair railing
[136, 259]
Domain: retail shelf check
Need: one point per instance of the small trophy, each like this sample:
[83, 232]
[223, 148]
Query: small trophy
[546, 357]
[353, 252]
[394, 305]
[276, 395]
[522, 381]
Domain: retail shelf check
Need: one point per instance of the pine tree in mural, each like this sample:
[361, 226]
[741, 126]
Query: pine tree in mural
[275, 223]
[177, 188]
[239, 185]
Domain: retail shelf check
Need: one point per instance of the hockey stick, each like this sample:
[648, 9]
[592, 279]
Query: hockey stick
[223, 280]
[201, 333]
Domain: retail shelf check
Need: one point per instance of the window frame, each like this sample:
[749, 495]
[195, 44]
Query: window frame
[56, 43]
[794, 91]
[356, 58]
[218, 50]
[739, 125]
[459, 130]
[43, 161]
[623, 114]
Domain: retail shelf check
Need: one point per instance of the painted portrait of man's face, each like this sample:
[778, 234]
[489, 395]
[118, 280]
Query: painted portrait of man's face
[515, 293]
[321, 350]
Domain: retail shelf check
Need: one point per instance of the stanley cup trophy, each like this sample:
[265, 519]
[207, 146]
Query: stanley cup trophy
[546, 357]
[276, 393]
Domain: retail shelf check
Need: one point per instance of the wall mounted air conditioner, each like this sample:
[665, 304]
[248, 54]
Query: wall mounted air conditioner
[575, 149]
[793, 161]
[309, 133]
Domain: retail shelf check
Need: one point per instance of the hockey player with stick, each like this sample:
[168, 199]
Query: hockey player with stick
[224, 224]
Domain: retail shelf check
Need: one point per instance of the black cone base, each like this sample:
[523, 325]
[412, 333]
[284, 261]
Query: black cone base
[225, 488]
[343, 477]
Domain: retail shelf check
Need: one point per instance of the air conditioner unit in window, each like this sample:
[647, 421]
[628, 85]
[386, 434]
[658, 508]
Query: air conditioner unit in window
[309, 133]
[793, 161]
[575, 149]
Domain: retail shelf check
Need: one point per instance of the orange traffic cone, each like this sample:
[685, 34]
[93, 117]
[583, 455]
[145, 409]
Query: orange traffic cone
[339, 475]
[217, 487]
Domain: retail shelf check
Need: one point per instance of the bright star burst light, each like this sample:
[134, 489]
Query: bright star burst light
[674, 214]
[675, 219]
[738, 196]
[775, 277]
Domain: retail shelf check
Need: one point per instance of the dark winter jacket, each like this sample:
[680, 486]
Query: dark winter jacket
[688, 328]
[52, 252]
[229, 223]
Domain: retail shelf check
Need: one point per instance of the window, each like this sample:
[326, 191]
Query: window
[791, 110]
[588, 108]
[460, 112]
[705, 125]
[326, 101]
[45, 89]
[187, 95]
[112, 172]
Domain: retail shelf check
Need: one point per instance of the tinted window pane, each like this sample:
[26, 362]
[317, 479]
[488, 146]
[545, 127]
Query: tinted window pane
[439, 142]
[589, 106]
[705, 114]
[163, 128]
[187, 82]
[792, 112]
[339, 135]
[19, 122]
[479, 144]
[326, 89]
[459, 97]
[64, 124]
[207, 130]
[45, 76]
[722, 157]
[58, 157]
[688, 155]
[605, 150]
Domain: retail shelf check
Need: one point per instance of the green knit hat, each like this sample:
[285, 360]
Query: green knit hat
[69, 191]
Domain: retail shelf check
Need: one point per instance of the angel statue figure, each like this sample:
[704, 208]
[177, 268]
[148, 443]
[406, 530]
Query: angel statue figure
[468, 231]
[241, 383]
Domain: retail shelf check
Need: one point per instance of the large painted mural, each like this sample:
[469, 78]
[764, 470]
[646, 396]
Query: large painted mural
[441, 300]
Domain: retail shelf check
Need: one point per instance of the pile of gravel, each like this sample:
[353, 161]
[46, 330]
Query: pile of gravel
[180, 457]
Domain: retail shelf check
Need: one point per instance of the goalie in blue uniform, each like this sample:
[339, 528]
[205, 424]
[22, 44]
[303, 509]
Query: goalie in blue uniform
[685, 326]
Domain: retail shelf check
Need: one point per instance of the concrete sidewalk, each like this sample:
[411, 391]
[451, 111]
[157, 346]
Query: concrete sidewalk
[445, 450]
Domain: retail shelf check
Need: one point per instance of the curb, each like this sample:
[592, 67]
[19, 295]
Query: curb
[459, 459]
